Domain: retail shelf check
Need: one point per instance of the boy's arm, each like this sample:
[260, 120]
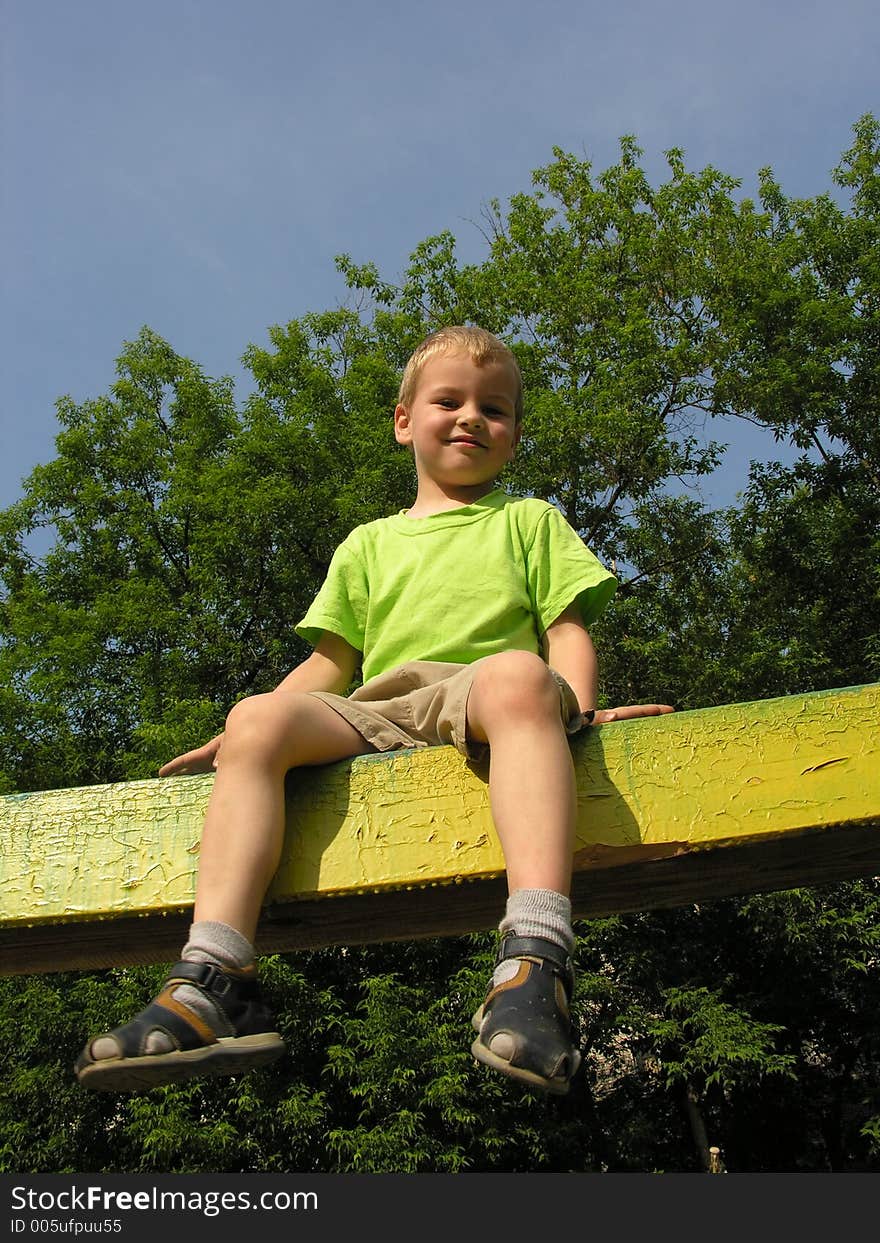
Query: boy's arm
[569, 650]
[330, 667]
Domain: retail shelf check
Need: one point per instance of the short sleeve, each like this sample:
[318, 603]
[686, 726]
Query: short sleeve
[341, 604]
[562, 571]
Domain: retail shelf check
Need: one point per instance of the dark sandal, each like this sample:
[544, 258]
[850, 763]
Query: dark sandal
[248, 1041]
[527, 1019]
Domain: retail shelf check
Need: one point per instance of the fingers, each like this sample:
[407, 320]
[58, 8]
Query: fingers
[605, 716]
[201, 760]
[181, 764]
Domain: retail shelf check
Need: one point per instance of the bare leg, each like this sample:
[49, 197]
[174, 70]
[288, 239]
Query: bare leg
[241, 846]
[244, 825]
[523, 1026]
[514, 707]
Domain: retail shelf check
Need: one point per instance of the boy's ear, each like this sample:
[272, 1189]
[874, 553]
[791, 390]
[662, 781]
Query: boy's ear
[517, 432]
[402, 428]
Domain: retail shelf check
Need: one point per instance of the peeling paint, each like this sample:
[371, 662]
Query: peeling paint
[824, 764]
[689, 781]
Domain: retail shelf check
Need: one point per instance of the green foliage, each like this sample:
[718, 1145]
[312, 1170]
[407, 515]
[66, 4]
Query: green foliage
[189, 535]
[700, 1034]
[766, 1008]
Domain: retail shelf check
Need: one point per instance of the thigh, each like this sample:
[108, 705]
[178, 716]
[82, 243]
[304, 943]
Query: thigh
[323, 736]
[292, 730]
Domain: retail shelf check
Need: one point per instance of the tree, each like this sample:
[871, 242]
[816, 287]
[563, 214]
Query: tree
[189, 537]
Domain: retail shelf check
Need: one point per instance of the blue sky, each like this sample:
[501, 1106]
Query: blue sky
[195, 165]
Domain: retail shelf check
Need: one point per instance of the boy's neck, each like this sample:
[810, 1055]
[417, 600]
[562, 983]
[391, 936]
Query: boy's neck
[433, 498]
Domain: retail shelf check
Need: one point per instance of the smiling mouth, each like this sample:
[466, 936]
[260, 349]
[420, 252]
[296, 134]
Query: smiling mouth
[467, 440]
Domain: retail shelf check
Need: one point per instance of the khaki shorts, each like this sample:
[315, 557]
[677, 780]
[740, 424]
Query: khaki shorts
[424, 704]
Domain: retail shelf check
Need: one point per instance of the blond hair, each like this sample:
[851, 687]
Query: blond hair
[481, 346]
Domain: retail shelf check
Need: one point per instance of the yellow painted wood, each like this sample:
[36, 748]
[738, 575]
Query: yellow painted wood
[647, 789]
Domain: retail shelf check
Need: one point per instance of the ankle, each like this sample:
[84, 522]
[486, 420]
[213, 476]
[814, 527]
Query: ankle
[539, 913]
[218, 943]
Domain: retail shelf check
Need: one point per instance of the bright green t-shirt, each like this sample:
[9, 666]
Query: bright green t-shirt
[458, 585]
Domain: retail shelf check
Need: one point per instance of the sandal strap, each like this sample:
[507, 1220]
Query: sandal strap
[538, 947]
[237, 997]
[131, 1037]
[227, 990]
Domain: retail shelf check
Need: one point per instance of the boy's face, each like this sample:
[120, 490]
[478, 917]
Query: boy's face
[461, 421]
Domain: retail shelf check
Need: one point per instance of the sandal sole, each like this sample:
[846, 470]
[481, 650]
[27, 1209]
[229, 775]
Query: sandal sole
[230, 1055]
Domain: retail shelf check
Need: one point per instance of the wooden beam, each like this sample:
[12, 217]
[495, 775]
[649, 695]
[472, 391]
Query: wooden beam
[744, 798]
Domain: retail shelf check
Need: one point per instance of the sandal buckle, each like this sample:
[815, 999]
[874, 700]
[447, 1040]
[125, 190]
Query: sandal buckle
[216, 981]
[205, 975]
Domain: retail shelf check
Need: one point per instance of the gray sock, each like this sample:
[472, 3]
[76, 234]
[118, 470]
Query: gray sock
[209, 941]
[536, 913]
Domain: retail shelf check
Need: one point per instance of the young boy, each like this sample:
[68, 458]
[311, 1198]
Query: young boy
[468, 614]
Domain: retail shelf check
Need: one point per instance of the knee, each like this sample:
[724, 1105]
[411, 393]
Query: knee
[257, 729]
[516, 682]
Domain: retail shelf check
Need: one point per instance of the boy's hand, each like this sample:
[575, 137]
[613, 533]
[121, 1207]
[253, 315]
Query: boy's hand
[202, 760]
[603, 716]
